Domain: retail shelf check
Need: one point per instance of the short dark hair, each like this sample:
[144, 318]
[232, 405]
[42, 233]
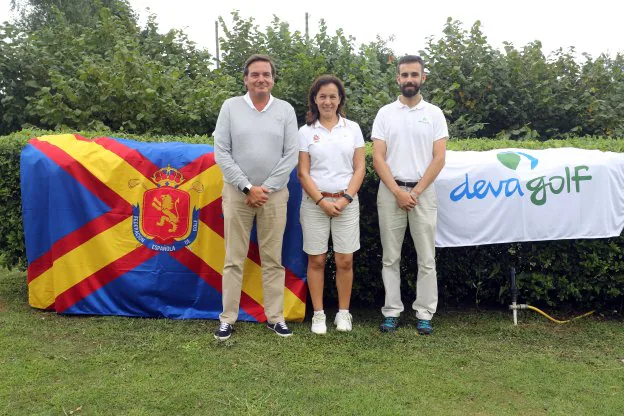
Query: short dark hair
[258, 58]
[410, 59]
[313, 111]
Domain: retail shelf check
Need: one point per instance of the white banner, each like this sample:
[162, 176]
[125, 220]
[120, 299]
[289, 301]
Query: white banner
[507, 195]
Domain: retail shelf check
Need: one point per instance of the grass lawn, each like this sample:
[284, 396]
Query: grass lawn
[476, 363]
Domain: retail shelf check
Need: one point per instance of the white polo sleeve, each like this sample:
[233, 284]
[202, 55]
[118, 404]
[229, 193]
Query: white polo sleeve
[304, 141]
[379, 127]
[357, 135]
[440, 127]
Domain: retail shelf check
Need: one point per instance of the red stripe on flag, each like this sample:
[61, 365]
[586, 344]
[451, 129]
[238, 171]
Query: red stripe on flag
[71, 241]
[213, 278]
[296, 285]
[82, 175]
[253, 308]
[102, 277]
[212, 216]
[254, 253]
[197, 166]
[132, 156]
[198, 266]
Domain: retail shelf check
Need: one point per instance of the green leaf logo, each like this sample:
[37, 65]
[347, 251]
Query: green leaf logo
[509, 159]
[512, 160]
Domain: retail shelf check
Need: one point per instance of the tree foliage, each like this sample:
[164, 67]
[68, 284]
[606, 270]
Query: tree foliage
[521, 93]
[107, 74]
[365, 71]
[34, 14]
[84, 64]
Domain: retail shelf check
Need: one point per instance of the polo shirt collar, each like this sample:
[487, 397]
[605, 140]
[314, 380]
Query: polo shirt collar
[421, 104]
[247, 99]
[341, 123]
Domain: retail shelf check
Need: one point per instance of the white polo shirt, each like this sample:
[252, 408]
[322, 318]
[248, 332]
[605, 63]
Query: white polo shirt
[409, 134]
[331, 153]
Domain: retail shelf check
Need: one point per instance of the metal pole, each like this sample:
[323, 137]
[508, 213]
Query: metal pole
[217, 42]
[307, 33]
[514, 294]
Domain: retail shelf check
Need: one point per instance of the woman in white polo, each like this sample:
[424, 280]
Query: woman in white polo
[331, 170]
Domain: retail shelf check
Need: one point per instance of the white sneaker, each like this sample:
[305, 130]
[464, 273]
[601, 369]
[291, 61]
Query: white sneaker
[318, 324]
[343, 321]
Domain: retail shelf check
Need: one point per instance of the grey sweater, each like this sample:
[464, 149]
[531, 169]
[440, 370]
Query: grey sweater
[254, 147]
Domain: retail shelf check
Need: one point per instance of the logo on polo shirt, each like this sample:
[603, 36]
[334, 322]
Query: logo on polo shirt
[316, 138]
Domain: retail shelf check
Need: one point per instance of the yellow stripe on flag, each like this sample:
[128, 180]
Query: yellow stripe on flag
[41, 293]
[105, 165]
[86, 259]
[209, 247]
[294, 308]
[211, 181]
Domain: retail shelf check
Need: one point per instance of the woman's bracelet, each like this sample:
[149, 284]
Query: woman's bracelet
[320, 199]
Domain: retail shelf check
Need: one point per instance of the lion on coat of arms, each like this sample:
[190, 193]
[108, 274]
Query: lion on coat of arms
[166, 207]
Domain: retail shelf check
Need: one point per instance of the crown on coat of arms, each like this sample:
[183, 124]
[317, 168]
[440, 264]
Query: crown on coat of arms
[168, 177]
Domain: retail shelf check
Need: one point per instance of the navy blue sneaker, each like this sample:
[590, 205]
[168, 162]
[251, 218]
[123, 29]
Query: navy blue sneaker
[280, 329]
[389, 324]
[224, 331]
[424, 327]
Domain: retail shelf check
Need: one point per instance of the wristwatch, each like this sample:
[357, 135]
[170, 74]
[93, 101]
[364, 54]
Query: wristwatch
[348, 197]
[246, 189]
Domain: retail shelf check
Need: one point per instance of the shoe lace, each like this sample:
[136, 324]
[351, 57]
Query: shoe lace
[282, 325]
[224, 326]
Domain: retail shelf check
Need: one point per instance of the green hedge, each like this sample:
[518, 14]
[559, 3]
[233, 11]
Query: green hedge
[569, 273]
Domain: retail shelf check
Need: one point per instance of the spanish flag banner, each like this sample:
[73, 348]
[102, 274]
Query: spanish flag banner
[118, 227]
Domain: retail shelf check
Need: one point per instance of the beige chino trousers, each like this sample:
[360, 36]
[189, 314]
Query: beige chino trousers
[270, 225]
[422, 221]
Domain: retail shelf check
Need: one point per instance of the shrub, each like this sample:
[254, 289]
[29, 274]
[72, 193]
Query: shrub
[577, 273]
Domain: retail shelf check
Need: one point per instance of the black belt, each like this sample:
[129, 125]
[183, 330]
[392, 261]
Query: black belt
[406, 184]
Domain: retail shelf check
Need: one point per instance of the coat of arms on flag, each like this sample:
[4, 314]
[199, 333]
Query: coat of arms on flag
[119, 227]
[164, 221]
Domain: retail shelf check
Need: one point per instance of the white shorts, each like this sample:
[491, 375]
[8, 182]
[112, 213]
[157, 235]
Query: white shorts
[316, 227]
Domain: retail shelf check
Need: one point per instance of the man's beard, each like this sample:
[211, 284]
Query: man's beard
[410, 90]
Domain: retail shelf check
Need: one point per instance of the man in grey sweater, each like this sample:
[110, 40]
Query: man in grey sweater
[256, 140]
